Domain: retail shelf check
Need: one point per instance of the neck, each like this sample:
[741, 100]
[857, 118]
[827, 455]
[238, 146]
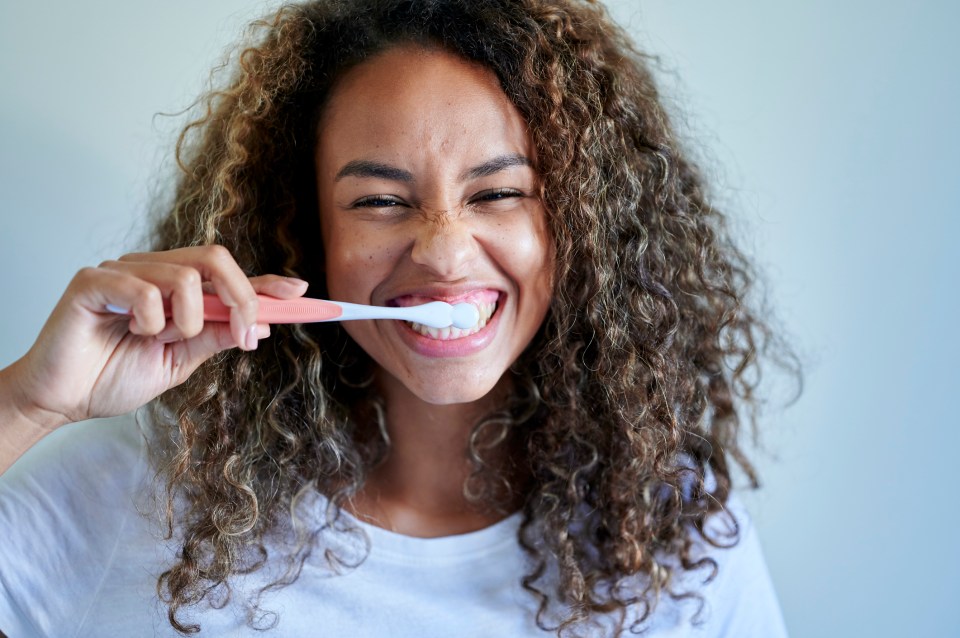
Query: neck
[418, 489]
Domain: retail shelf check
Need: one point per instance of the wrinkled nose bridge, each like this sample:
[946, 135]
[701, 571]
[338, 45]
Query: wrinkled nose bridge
[445, 241]
[438, 218]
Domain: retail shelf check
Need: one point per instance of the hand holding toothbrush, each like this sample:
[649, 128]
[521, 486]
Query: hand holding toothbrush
[128, 330]
[90, 362]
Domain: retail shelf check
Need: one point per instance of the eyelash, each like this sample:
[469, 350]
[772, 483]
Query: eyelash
[385, 201]
[498, 194]
[376, 201]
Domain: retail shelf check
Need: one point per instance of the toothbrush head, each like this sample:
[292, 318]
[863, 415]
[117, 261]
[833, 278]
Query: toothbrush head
[464, 315]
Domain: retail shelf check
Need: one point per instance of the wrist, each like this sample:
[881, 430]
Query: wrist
[20, 405]
[22, 422]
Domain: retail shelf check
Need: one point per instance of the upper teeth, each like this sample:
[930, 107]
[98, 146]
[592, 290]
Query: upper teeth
[486, 311]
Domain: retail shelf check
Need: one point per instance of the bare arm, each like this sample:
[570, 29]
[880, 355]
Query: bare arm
[89, 362]
[20, 428]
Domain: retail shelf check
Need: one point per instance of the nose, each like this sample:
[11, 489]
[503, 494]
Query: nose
[445, 244]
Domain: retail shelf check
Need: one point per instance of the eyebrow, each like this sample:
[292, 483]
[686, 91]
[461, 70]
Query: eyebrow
[366, 168]
[379, 170]
[496, 165]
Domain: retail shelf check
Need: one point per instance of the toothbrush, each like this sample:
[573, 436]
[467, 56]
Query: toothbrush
[435, 314]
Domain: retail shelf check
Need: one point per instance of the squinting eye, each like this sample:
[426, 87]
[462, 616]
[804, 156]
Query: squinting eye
[376, 201]
[497, 194]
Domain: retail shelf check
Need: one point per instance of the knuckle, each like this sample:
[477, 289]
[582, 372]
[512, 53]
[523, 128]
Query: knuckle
[149, 296]
[85, 275]
[187, 278]
[86, 278]
[249, 304]
[218, 254]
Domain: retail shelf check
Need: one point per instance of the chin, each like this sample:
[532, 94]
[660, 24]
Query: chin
[449, 394]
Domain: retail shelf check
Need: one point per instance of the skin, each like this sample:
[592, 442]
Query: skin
[88, 362]
[426, 221]
[448, 229]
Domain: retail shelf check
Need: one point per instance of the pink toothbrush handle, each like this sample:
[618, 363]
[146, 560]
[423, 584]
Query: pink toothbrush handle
[273, 310]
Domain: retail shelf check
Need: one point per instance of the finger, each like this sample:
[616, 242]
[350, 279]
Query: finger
[217, 265]
[180, 285]
[188, 354]
[279, 287]
[272, 285]
[96, 288]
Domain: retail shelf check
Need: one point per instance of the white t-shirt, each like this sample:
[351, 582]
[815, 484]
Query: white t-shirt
[80, 555]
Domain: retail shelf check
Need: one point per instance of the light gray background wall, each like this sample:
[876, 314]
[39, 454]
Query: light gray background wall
[832, 130]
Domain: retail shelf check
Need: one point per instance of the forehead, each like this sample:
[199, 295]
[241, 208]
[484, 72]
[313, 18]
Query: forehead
[418, 102]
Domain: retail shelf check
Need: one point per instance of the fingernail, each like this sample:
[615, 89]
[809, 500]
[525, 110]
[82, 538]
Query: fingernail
[295, 280]
[252, 337]
[263, 330]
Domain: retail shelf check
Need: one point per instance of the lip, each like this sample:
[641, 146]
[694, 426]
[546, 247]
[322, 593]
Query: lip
[461, 347]
[470, 294]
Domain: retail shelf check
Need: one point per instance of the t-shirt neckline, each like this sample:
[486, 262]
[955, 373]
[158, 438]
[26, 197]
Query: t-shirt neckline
[482, 542]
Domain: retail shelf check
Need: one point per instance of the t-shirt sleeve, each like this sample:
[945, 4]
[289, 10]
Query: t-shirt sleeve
[741, 601]
[62, 509]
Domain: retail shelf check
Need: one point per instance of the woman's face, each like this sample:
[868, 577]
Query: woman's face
[427, 191]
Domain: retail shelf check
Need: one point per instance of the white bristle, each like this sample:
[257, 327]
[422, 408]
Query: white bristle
[464, 315]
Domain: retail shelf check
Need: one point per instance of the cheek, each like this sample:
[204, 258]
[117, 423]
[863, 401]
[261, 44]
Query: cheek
[542, 259]
[537, 248]
[527, 246]
[356, 261]
[525, 251]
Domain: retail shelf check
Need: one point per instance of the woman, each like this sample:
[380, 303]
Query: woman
[562, 468]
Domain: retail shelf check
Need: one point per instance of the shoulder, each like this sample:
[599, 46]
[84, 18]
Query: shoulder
[62, 506]
[94, 460]
[739, 599]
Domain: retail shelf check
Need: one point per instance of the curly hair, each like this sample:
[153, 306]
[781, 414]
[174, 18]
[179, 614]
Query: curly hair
[629, 402]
